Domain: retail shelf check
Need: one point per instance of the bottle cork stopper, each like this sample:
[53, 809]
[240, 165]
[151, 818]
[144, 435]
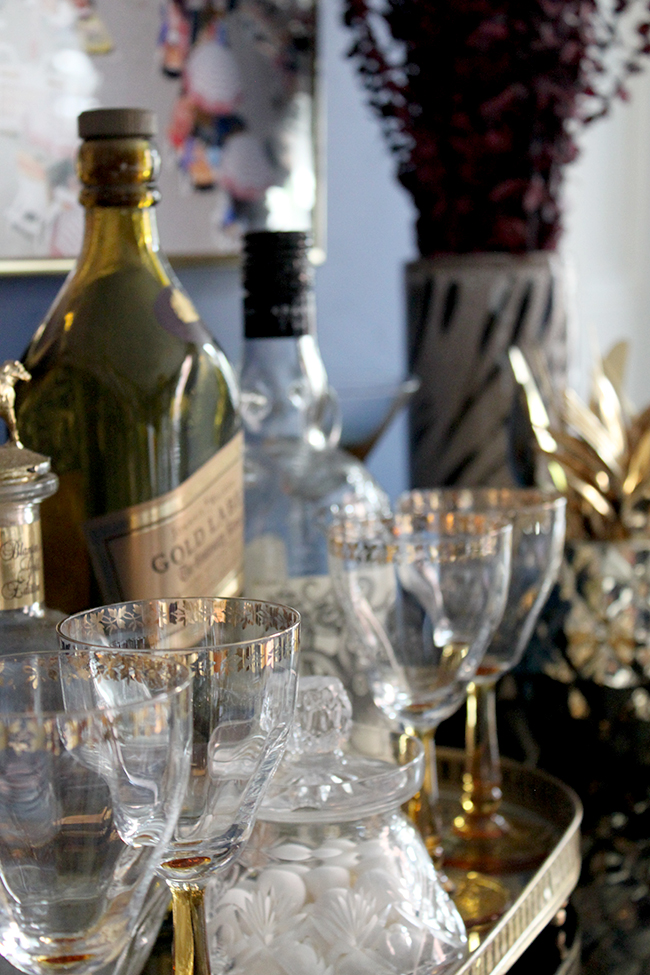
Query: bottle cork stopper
[112, 123]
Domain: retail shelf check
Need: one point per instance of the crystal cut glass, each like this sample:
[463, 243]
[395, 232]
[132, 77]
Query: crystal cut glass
[242, 655]
[90, 791]
[336, 879]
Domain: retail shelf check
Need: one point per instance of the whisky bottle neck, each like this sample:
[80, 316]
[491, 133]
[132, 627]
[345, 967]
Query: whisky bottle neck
[118, 236]
[118, 179]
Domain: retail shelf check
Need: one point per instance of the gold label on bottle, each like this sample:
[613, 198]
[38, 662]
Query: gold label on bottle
[21, 566]
[188, 542]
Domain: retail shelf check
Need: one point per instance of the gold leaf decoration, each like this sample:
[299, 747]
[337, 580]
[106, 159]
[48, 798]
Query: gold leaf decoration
[598, 455]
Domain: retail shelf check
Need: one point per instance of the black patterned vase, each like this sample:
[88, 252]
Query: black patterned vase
[464, 313]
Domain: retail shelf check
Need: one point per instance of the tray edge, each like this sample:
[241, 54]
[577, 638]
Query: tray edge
[551, 884]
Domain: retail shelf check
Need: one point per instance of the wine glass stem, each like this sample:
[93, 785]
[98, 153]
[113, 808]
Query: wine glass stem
[191, 954]
[423, 808]
[481, 796]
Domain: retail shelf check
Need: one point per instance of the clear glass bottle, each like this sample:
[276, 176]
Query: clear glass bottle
[133, 401]
[296, 477]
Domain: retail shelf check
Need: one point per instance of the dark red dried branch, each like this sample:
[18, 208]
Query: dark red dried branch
[482, 107]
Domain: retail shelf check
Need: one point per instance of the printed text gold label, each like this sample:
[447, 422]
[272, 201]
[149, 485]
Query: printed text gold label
[188, 542]
[21, 566]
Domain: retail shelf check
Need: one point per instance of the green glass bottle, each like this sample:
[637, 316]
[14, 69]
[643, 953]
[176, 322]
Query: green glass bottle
[133, 400]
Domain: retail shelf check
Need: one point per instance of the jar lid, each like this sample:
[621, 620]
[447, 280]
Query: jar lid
[19, 464]
[335, 770]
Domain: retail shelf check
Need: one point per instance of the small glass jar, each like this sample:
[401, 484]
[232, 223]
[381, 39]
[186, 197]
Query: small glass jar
[335, 879]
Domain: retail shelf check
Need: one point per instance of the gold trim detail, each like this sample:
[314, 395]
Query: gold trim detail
[250, 635]
[550, 885]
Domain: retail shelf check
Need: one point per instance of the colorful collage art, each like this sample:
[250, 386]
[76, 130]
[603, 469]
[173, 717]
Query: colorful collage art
[232, 83]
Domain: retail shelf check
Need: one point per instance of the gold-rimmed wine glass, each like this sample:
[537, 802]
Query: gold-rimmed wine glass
[483, 838]
[90, 790]
[243, 656]
[424, 606]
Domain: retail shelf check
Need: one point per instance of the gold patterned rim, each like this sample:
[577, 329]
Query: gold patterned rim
[508, 501]
[165, 677]
[283, 621]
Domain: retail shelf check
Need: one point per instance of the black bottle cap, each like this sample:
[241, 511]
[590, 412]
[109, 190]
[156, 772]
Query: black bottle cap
[117, 123]
[278, 284]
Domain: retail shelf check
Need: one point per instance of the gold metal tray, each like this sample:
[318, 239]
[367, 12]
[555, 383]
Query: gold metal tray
[536, 896]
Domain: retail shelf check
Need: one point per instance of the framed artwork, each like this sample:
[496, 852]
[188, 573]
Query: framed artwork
[231, 81]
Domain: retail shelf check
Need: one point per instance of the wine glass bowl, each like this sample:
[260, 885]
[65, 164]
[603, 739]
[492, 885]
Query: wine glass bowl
[242, 655]
[425, 604]
[537, 544]
[89, 797]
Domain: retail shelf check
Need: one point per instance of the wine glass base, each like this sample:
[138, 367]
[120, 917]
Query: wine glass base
[481, 900]
[520, 846]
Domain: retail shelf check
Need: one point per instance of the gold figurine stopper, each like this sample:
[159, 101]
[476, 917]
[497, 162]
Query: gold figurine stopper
[11, 372]
[17, 464]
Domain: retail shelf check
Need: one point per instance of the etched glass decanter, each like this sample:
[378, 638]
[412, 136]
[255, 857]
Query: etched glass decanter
[336, 880]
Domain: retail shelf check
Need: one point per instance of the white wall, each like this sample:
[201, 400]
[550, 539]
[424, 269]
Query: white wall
[371, 235]
[607, 241]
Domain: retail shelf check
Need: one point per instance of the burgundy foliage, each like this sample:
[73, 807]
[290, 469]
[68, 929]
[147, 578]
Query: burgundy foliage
[484, 102]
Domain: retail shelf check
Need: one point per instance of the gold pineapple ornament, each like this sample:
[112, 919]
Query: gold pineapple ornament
[597, 454]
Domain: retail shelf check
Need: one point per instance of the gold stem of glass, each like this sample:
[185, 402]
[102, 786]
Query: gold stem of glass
[481, 796]
[191, 954]
[422, 809]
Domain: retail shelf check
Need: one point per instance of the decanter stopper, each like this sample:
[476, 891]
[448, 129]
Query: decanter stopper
[11, 372]
[323, 716]
[324, 774]
[17, 464]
